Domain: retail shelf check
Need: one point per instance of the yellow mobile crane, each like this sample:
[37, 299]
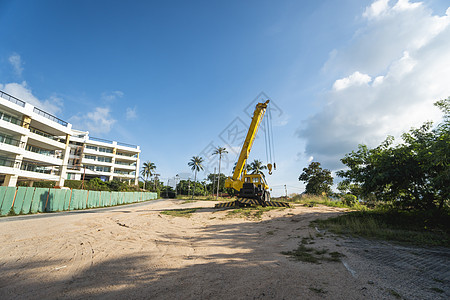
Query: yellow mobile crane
[251, 188]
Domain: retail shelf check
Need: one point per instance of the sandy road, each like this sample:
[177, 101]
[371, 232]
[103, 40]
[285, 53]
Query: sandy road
[135, 252]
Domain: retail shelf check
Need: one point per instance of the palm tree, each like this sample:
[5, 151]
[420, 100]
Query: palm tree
[220, 151]
[256, 167]
[147, 170]
[196, 165]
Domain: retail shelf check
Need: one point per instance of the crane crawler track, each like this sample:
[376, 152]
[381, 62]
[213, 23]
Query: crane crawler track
[243, 202]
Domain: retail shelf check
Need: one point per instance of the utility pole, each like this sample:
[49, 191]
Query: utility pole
[167, 188]
[84, 173]
[218, 179]
[214, 181]
[156, 179]
[285, 189]
[176, 185]
[189, 186]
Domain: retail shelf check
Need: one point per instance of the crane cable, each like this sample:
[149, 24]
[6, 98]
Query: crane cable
[268, 137]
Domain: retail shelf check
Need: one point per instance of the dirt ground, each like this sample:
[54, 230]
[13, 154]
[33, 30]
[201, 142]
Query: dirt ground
[135, 252]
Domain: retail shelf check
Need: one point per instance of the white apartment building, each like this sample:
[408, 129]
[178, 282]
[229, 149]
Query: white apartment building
[35, 146]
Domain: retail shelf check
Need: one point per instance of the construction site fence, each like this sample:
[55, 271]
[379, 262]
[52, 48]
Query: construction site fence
[30, 200]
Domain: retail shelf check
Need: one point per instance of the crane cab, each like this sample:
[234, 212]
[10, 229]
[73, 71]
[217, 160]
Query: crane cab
[254, 187]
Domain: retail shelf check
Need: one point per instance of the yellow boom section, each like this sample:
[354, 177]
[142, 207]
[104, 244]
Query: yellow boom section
[247, 146]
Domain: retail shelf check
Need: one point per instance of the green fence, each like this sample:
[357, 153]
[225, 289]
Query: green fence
[26, 200]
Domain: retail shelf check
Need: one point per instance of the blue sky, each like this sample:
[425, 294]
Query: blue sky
[171, 76]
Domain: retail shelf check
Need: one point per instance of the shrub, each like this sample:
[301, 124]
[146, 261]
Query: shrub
[349, 200]
[73, 184]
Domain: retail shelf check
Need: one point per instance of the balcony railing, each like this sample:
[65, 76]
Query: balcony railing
[126, 145]
[11, 141]
[127, 155]
[52, 153]
[29, 166]
[44, 134]
[10, 119]
[38, 168]
[100, 140]
[125, 164]
[49, 116]
[12, 99]
[121, 172]
[8, 162]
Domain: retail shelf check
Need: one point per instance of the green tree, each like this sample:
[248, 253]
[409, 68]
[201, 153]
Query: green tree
[256, 167]
[219, 151]
[196, 165]
[412, 174]
[117, 185]
[317, 180]
[185, 186]
[96, 184]
[147, 171]
[219, 178]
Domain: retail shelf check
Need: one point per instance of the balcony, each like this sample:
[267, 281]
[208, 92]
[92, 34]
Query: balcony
[124, 174]
[45, 139]
[49, 116]
[8, 118]
[4, 139]
[100, 140]
[126, 145]
[39, 168]
[46, 156]
[44, 134]
[12, 99]
[8, 162]
[45, 152]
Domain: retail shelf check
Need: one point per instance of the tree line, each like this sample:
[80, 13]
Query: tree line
[411, 174]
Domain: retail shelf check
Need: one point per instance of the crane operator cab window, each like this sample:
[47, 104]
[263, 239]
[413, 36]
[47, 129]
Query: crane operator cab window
[255, 180]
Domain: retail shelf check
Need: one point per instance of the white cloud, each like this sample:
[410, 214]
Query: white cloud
[131, 113]
[112, 96]
[354, 79]
[52, 105]
[98, 121]
[385, 39]
[394, 80]
[405, 5]
[376, 9]
[16, 63]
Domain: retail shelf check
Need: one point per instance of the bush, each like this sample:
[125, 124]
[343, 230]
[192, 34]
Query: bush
[349, 200]
[73, 184]
[96, 184]
[40, 184]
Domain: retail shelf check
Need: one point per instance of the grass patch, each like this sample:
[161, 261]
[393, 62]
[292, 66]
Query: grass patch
[188, 201]
[311, 255]
[302, 253]
[314, 200]
[414, 228]
[252, 212]
[187, 212]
